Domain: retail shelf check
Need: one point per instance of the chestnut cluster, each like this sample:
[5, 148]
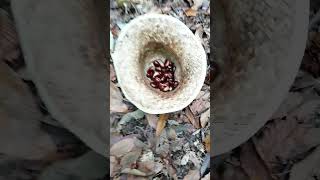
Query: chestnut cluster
[162, 75]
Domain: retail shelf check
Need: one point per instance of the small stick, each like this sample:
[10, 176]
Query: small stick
[161, 123]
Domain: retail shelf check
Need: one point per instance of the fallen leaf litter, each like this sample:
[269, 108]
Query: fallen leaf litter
[179, 148]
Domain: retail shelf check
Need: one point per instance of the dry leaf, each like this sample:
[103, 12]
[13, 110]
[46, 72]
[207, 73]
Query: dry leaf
[147, 156]
[207, 143]
[113, 76]
[162, 145]
[190, 2]
[192, 175]
[204, 118]
[124, 146]
[290, 103]
[284, 139]
[130, 158]
[137, 114]
[111, 43]
[307, 169]
[201, 104]
[171, 171]
[116, 100]
[185, 159]
[150, 167]
[135, 172]
[310, 62]
[192, 119]
[133, 177]
[116, 137]
[20, 131]
[161, 123]
[157, 167]
[201, 94]
[252, 164]
[171, 133]
[194, 159]
[114, 166]
[207, 177]
[230, 172]
[197, 4]
[205, 166]
[191, 12]
[199, 33]
[88, 166]
[152, 120]
[9, 41]
[303, 80]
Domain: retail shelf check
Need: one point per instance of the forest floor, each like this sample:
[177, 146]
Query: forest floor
[287, 147]
[182, 151]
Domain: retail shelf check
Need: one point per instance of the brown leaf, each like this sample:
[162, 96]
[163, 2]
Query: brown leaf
[116, 100]
[191, 12]
[194, 159]
[252, 164]
[192, 175]
[171, 133]
[133, 177]
[183, 118]
[201, 104]
[124, 146]
[307, 169]
[116, 137]
[284, 139]
[130, 158]
[190, 2]
[311, 59]
[197, 4]
[199, 34]
[201, 94]
[208, 12]
[115, 31]
[207, 177]
[204, 118]
[21, 134]
[290, 103]
[171, 171]
[192, 119]
[113, 76]
[303, 81]
[207, 143]
[114, 166]
[135, 172]
[230, 172]
[152, 120]
[147, 155]
[150, 167]
[162, 145]
[161, 123]
[9, 42]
